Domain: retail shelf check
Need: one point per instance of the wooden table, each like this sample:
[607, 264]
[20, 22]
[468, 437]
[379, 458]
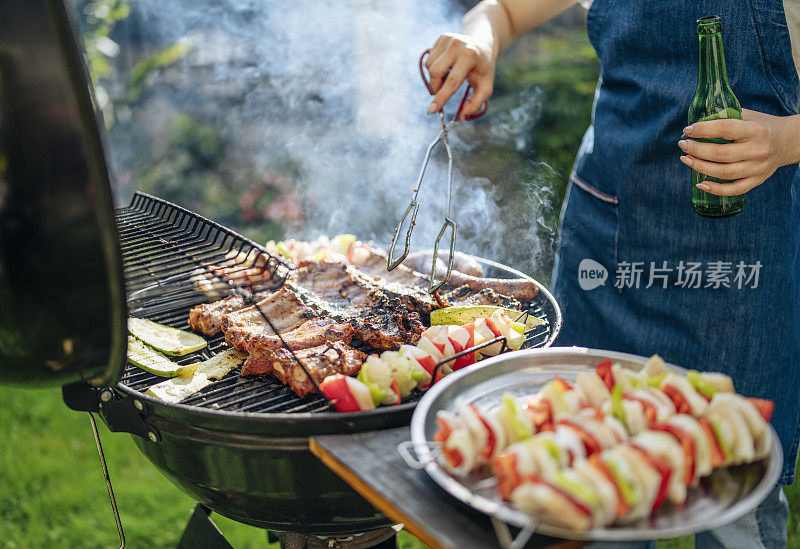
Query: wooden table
[370, 463]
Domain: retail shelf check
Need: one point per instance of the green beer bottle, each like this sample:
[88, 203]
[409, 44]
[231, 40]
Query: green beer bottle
[712, 100]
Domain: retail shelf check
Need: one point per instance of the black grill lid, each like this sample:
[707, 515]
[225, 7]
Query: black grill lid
[62, 292]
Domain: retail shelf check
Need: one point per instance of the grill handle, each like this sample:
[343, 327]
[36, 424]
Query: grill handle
[122, 414]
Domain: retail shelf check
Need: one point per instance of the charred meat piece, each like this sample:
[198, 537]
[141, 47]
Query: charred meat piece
[411, 297]
[389, 327]
[311, 333]
[207, 317]
[385, 324]
[337, 302]
[373, 319]
[464, 295]
[383, 315]
[520, 288]
[342, 292]
[345, 286]
[338, 288]
[321, 362]
[284, 308]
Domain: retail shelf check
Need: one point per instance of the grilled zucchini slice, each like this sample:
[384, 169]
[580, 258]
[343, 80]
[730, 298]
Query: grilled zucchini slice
[170, 341]
[145, 357]
[466, 314]
[193, 377]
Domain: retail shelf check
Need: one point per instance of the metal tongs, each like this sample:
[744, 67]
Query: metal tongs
[413, 207]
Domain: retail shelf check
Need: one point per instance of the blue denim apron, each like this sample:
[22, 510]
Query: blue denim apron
[723, 293]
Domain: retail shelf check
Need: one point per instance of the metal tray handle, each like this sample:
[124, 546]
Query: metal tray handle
[503, 533]
[408, 451]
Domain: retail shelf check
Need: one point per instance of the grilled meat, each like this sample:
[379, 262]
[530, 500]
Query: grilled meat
[463, 263]
[375, 265]
[464, 295]
[322, 306]
[321, 362]
[522, 289]
[207, 317]
[336, 288]
[310, 333]
[378, 321]
[284, 308]
[389, 326]
[382, 314]
[345, 286]
[305, 319]
[342, 292]
[321, 289]
[254, 270]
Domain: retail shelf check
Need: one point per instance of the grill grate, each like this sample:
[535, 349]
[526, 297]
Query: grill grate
[162, 244]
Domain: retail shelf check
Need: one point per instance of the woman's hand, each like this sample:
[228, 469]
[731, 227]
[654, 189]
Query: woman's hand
[455, 58]
[762, 144]
[488, 29]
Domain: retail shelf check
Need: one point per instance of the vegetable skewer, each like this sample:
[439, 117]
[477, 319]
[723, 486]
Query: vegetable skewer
[613, 447]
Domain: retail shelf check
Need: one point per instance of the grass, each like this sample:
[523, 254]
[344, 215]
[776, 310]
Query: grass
[52, 493]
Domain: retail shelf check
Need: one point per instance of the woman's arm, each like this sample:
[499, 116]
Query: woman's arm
[763, 143]
[488, 29]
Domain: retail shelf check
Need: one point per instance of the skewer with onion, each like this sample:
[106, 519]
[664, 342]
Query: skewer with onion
[392, 375]
[610, 448]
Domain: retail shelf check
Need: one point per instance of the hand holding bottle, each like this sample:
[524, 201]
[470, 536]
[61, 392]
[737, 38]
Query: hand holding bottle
[762, 144]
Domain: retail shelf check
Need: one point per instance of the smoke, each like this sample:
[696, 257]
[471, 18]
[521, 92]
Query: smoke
[329, 93]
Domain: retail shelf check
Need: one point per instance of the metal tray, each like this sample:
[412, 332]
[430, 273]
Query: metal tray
[721, 498]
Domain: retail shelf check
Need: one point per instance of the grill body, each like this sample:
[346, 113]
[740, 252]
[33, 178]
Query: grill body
[240, 446]
[268, 481]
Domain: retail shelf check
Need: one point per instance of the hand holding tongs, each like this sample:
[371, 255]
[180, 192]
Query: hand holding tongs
[414, 205]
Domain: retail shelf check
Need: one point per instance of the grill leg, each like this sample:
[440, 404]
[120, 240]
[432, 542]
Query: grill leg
[202, 533]
[108, 482]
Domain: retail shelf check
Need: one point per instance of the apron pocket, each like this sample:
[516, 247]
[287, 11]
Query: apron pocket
[589, 232]
[594, 191]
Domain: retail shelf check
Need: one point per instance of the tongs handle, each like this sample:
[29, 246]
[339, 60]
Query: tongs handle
[432, 284]
[426, 79]
[391, 262]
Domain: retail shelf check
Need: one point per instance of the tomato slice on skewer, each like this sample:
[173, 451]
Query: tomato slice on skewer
[604, 373]
[763, 406]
